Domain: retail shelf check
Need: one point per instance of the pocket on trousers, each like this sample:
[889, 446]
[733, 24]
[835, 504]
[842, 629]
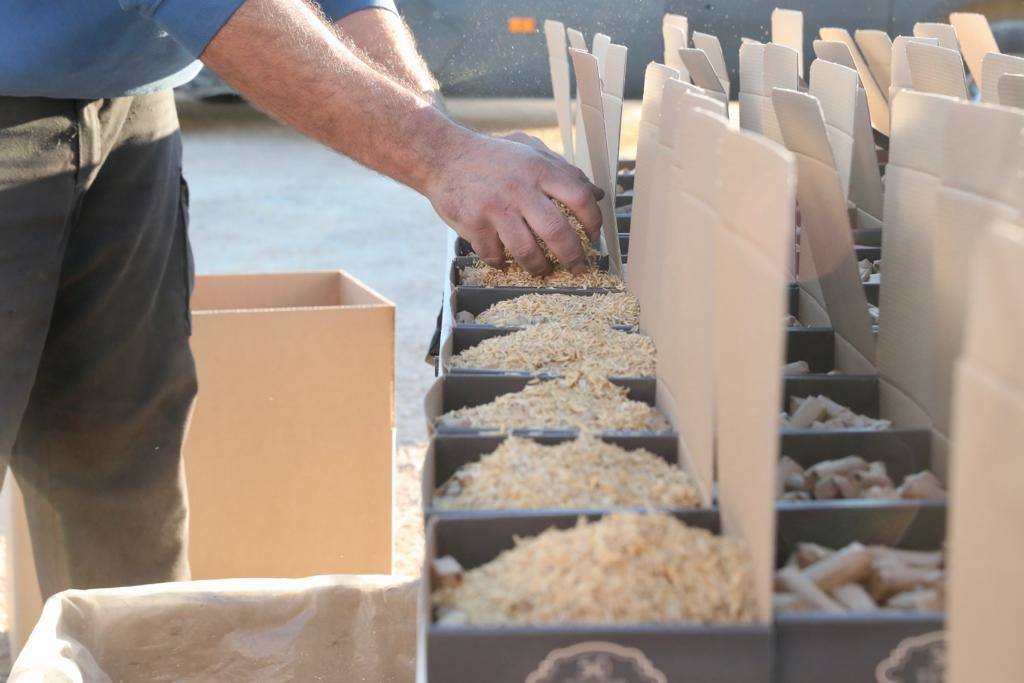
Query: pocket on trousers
[186, 245]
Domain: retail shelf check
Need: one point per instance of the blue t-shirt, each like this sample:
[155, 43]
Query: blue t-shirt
[90, 49]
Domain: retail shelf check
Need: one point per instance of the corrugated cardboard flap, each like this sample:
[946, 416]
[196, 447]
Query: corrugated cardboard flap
[713, 49]
[788, 30]
[1011, 90]
[937, 70]
[835, 86]
[752, 259]
[976, 40]
[558, 60]
[993, 67]
[900, 66]
[762, 68]
[826, 226]
[877, 101]
[944, 33]
[675, 35]
[986, 552]
[701, 70]
[876, 46]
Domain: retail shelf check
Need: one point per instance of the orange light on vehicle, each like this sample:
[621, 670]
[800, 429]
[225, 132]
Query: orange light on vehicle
[522, 25]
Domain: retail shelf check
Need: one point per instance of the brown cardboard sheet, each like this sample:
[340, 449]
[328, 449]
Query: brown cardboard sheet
[994, 66]
[675, 34]
[752, 245]
[944, 33]
[982, 182]
[588, 87]
[826, 226]
[762, 68]
[878, 104]
[901, 79]
[906, 350]
[788, 30]
[289, 454]
[655, 77]
[976, 40]
[613, 81]
[713, 49]
[558, 61]
[687, 343]
[937, 70]
[986, 548]
[1011, 90]
[356, 628]
[876, 46]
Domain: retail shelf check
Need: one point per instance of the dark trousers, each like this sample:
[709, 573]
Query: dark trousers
[96, 377]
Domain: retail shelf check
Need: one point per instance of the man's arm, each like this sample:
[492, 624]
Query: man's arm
[385, 41]
[284, 59]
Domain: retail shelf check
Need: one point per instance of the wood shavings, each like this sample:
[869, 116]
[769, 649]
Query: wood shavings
[585, 347]
[861, 579]
[799, 367]
[587, 404]
[616, 308]
[821, 412]
[851, 477]
[625, 568]
[513, 275]
[583, 473]
[870, 271]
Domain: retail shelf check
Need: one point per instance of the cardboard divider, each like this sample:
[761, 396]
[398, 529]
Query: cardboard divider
[993, 67]
[901, 79]
[589, 90]
[613, 82]
[655, 78]
[703, 73]
[982, 182]
[1011, 90]
[851, 648]
[752, 243]
[685, 308]
[878, 104]
[675, 34]
[876, 48]
[447, 454]
[763, 68]
[558, 61]
[986, 551]
[844, 104]
[976, 40]
[944, 33]
[834, 51]
[643, 652]
[581, 154]
[788, 30]
[713, 49]
[937, 70]
[825, 225]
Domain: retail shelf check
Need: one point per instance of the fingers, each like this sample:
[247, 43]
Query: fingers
[488, 248]
[579, 196]
[520, 242]
[548, 222]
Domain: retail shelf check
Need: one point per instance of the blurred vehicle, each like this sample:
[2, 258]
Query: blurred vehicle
[496, 49]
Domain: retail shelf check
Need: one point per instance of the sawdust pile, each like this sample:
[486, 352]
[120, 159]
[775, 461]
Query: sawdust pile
[513, 275]
[626, 568]
[586, 347]
[591, 404]
[616, 308]
[583, 473]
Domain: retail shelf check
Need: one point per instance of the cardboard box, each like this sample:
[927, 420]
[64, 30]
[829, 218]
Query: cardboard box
[289, 454]
[851, 648]
[320, 628]
[663, 652]
[447, 453]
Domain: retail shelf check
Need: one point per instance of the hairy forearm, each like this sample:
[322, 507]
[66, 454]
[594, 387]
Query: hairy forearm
[383, 40]
[283, 58]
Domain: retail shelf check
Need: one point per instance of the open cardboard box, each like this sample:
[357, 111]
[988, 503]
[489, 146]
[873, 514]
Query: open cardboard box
[640, 652]
[855, 647]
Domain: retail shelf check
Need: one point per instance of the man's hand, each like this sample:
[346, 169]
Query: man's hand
[497, 193]
[282, 57]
